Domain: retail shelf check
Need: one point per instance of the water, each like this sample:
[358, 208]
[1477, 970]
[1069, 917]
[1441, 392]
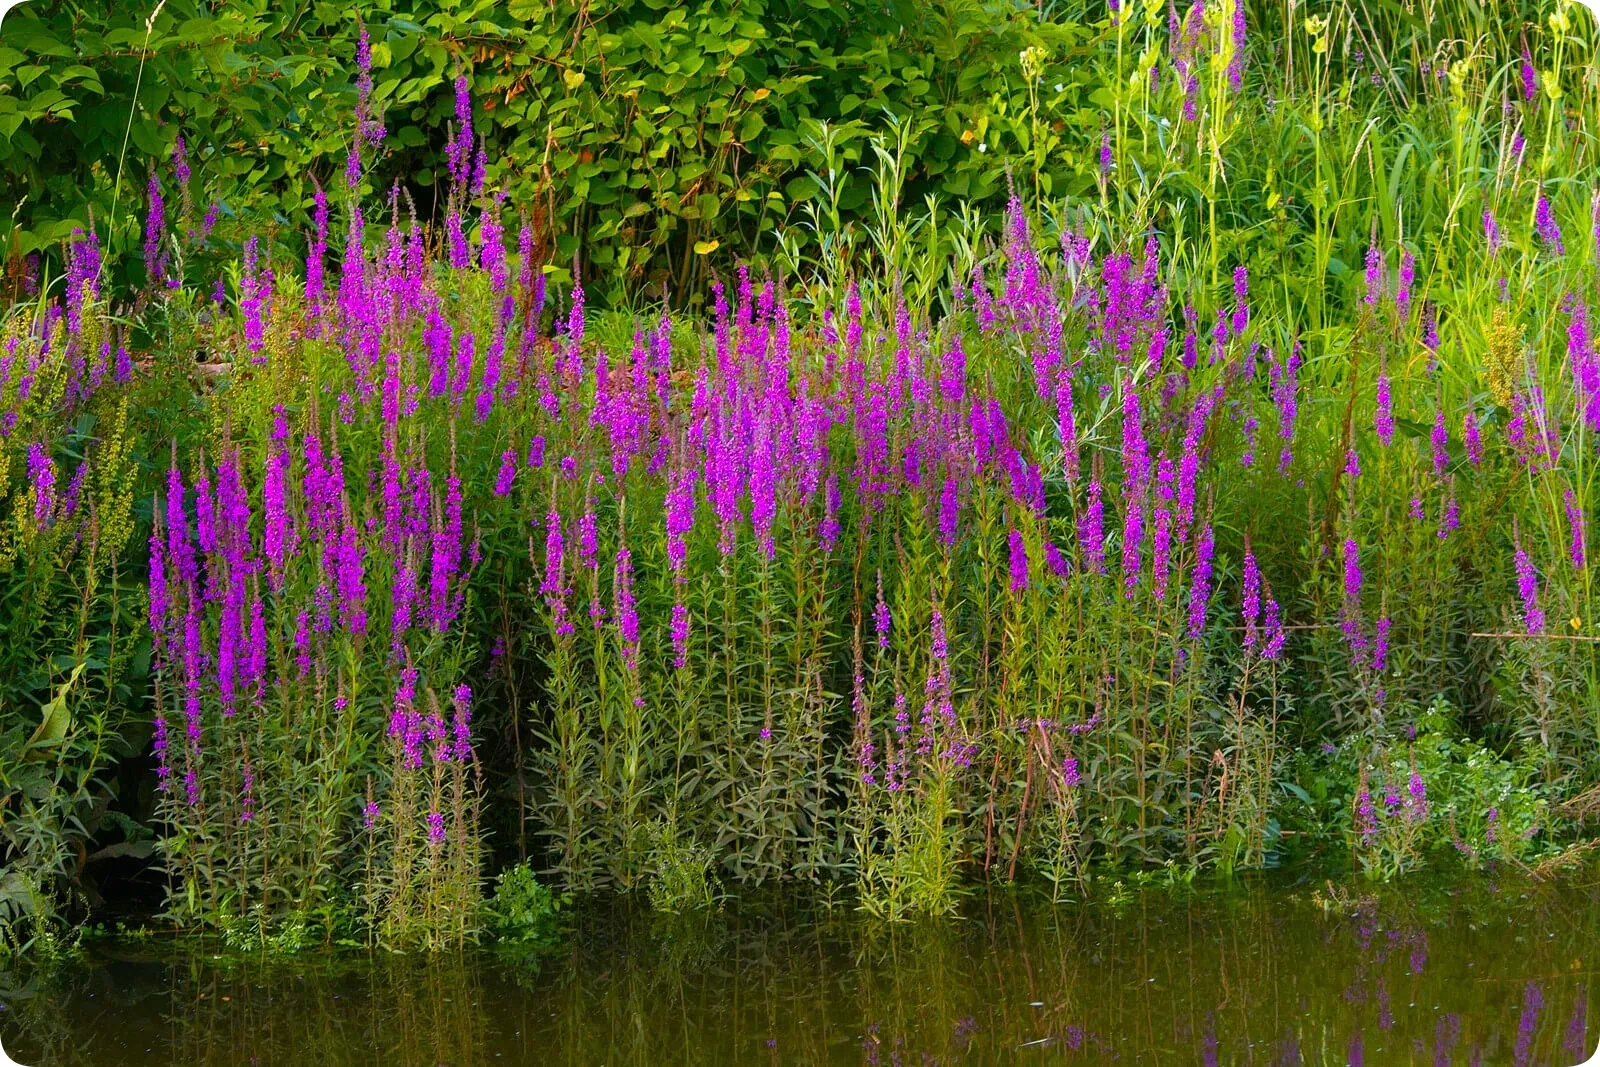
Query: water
[1485, 972]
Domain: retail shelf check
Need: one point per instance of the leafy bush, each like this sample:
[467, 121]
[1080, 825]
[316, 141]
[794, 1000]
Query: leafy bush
[637, 134]
[680, 874]
[523, 912]
[1422, 790]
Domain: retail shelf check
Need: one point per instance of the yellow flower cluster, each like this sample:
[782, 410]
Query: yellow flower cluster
[1500, 360]
[114, 478]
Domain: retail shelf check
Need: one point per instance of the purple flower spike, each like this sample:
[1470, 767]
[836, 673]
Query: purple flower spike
[1383, 419]
[1544, 221]
[1528, 590]
[1019, 562]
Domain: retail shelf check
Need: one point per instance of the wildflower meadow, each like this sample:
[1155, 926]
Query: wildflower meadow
[1180, 455]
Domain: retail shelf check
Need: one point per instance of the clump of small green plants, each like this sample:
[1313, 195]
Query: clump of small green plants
[524, 915]
[1421, 788]
[680, 873]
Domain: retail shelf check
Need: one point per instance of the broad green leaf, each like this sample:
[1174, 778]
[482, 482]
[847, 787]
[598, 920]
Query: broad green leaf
[54, 716]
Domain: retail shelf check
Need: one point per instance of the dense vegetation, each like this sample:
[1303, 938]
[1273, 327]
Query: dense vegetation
[630, 133]
[1178, 453]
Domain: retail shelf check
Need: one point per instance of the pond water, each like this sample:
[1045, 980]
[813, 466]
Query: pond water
[1487, 972]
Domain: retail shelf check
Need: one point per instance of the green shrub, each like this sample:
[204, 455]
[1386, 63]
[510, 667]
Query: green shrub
[643, 137]
[524, 913]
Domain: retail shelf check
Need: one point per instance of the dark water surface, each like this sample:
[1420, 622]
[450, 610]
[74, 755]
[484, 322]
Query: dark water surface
[1486, 972]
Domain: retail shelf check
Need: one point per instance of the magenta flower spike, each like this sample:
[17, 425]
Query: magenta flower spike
[1383, 419]
[1200, 584]
[1438, 440]
[1544, 223]
[1528, 589]
[1019, 562]
[1577, 524]
[1252, 601]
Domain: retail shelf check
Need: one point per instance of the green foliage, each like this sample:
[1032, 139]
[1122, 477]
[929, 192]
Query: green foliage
[642, 137]
[1483, 806]
[261, 932]
[680, 874]
[31, 923]
[71, 662]
[1435, 795]
[845, 153]
[523, 913]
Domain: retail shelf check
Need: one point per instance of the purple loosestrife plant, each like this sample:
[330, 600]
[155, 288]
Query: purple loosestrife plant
[1241, 288]
[1091, 530]
[880, 616]
[1200, 583]
[1285, 394]
[508, 472]
[1161, 535]
[1132, 542]
[1251, 600]
[1450, 517]
[461, 724]
[1528, 590]
[1417, 793]
[1408, 275]
[1366, 816]
[1241, 38]
[1070, 775]
[680, 635]
[1472, 437]
[588, 540]
[1438, 441]
[1019, 562]
[459, 149]
[1544, 222]
[1576, 531]
[1190, 463]
[278, 537]
[155, 233]
[252, 298]
[627, 612]
[1380, 646]
[42, 479]
[83, 280]
[1374, 276]
[551, 588]
[1350, 612]
[1383, 418]
[1274, 636]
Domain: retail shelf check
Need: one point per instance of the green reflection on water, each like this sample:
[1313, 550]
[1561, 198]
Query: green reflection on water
[1486, 972]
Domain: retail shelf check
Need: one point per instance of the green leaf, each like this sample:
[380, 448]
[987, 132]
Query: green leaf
[39, 43]
[197, 30]
[147, 138]
[139, 850]
[55, 718]
[1297, 791]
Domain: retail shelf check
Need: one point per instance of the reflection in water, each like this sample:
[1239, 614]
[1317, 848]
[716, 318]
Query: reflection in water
[1482, 974]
